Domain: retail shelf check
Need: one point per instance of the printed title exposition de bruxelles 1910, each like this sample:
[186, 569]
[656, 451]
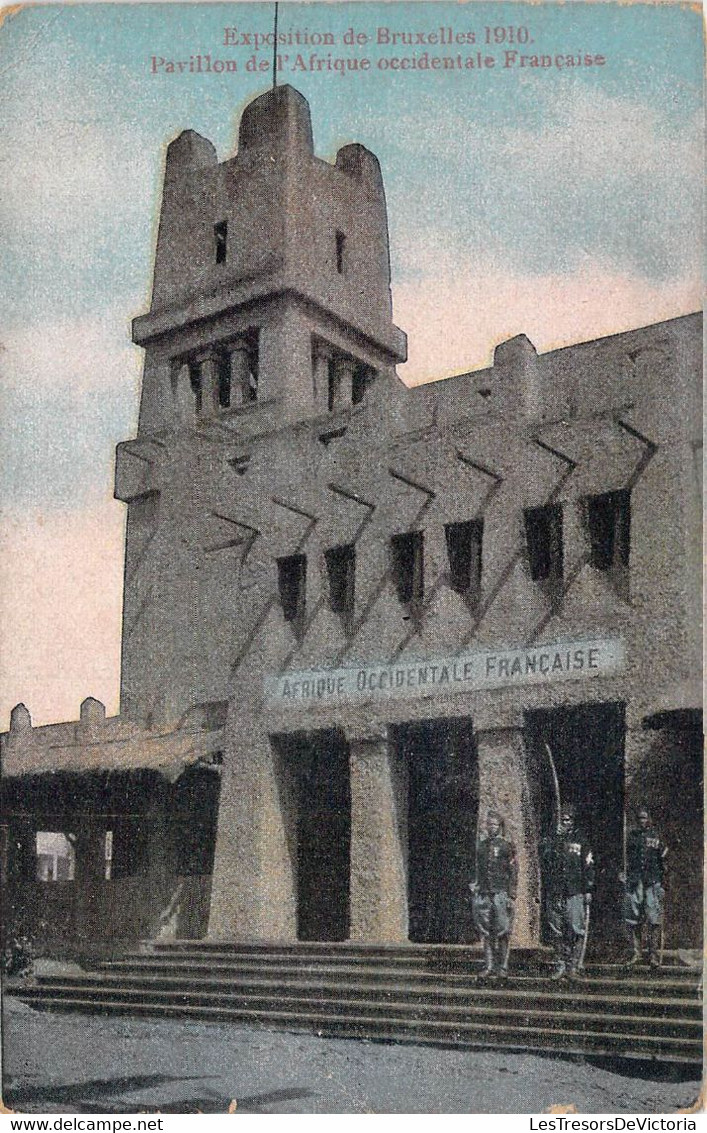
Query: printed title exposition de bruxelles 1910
[502, 47]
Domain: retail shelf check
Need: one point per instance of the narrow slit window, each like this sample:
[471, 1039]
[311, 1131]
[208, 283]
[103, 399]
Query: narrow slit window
[340, 252]
[292, 577]
[223, 364]
[543, 531]
[333, 382]
[408, 567]
[253, 340]
[195, 381]
[221, 241]
[609, 526]
[362, 376]
[341, 571]
[464, 546]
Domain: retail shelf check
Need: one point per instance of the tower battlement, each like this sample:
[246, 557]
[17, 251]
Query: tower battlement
[272, 274]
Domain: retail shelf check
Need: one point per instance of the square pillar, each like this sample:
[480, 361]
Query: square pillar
[208, 372]
[254, 886]
[504, 786]
[162, 384]
[285, 362]
[378, 893]
[320, 378]
[343, 382]
[239, 364]
[184, 401]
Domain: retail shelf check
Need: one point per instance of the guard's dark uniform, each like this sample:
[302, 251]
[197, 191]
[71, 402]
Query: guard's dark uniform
[644, 901]
[493, 895]
[568, 877]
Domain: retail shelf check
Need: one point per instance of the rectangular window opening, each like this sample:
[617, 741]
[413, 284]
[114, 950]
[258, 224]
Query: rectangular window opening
[543, 531]
[332, 383]
[609, 526]
[195, 381]
[408, 567]
[292, 577]
[464, 546]
[223, 369]
[55, 856]
[341, 570]
[340, 251]
[362, 377]
[251, 388]
[221, 241]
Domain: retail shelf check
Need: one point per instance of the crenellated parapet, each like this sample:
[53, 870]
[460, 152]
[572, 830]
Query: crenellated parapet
[265, 262]
[96, 742]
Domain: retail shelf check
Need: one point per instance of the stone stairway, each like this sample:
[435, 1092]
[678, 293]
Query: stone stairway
[416, 993]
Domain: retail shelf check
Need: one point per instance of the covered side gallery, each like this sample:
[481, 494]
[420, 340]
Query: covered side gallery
[358, 615]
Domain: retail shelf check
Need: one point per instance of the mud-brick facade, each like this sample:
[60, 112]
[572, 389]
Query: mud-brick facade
[390, 608]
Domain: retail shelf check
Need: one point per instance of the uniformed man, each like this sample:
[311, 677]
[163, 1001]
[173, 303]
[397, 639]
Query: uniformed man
[644, 901]
[494, 894]
[568, 881]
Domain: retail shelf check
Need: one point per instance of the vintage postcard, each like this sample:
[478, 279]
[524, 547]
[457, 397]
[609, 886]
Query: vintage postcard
[351, 541]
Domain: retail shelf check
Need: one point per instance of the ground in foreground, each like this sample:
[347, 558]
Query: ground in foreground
[93, 1064]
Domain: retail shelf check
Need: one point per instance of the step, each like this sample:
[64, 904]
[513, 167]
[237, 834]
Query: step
[336, 952]
[462, 959]
[513, 992]
[655, 985]
[409, 993]
[394, 1008]
[472, 1035]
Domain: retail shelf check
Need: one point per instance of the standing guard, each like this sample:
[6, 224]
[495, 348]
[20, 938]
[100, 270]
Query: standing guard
[568, 881]
[494, 894]
[644, 897]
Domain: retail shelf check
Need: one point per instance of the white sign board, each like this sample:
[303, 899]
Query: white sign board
[464, 672]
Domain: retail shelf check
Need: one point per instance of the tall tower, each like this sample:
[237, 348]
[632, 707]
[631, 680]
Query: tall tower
[271, 307]
[268, 267]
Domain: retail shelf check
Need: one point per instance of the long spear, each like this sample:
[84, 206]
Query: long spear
[556, 784]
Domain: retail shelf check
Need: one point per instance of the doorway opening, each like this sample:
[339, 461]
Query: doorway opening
[670, 782]
[318, 769]
[586, 745]
[443, 800]
[193, 825]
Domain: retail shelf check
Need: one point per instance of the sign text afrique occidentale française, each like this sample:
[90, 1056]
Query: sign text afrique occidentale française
[487, 669]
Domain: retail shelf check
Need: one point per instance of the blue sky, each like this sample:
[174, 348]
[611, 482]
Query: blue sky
[564, 203]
